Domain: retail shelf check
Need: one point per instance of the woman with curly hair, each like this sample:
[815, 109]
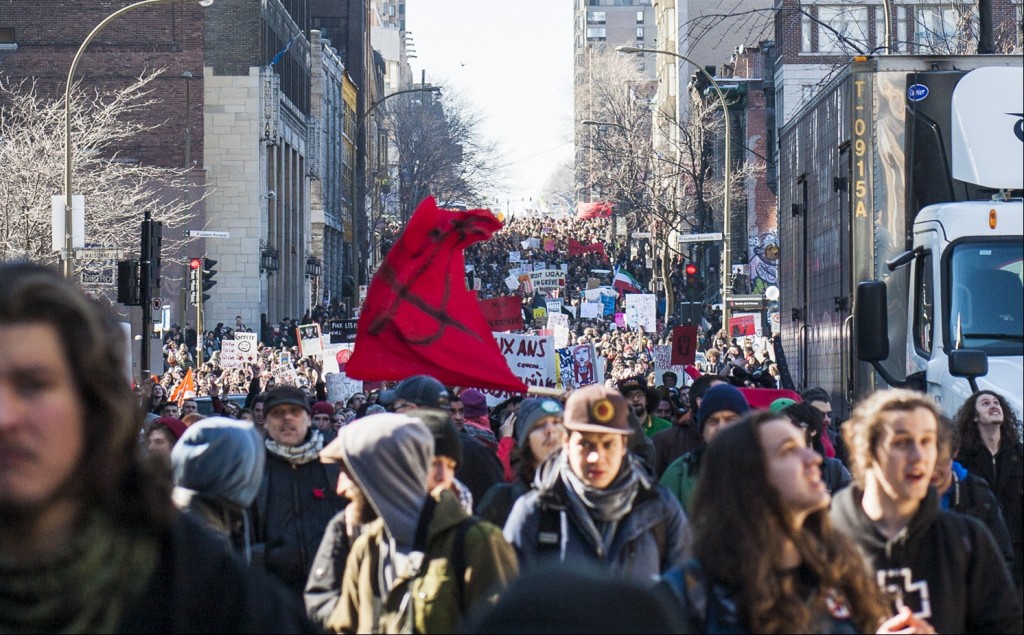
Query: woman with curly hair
[990, 448]
[766, 558]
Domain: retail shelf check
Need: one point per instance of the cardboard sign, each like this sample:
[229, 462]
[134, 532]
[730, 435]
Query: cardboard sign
[310, 342]
[340, 387]
[591, 310]
[504, 313]
[579, 366]
[641, 312]
[239, 352]
[684, 345]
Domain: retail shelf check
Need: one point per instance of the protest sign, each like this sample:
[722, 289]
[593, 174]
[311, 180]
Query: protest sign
[336, 356]
[640, 311]
[340, 387]
[504, 313]
[684, 345]
[553, 305]
[579, 366]
[531, 358]
[310, 342]
[514, 256]
[342, 331]
[547, 280]
[239, 352]
[590, 310]
[663, 363]
[549, 244]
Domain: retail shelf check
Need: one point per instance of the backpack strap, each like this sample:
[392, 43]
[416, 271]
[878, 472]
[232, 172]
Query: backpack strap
[458, 559]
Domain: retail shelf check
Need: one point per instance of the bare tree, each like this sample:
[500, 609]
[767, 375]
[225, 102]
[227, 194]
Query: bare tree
[668, 190]
[560, 189]
[116, 191]
[441, 151]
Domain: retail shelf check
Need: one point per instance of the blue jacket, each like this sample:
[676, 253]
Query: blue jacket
[651, 539]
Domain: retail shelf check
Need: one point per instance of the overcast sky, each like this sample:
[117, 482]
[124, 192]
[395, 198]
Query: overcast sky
[512, 62]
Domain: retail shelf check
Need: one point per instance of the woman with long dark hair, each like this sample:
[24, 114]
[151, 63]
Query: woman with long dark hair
[766, 558]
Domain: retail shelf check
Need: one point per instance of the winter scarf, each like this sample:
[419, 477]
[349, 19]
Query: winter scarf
[299, 454]
[84, 588]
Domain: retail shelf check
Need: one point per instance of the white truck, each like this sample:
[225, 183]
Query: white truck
[901, 224]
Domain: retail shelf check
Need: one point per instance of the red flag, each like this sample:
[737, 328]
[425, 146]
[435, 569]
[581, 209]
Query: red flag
[419, 318]
[184, 390]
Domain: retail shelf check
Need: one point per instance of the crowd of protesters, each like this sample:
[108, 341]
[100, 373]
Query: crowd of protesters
[639, 504]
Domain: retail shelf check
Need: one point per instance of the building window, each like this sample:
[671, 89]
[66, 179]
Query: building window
[943, 29]
[640, 34]
[847, 28]
[7, 39]
[595, 32]
[639, 17]
[596, 17]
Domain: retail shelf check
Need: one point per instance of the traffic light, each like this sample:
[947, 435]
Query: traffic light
[692, 281]
[152, 237]
[128, 282]
[208, 273]
[195, 266]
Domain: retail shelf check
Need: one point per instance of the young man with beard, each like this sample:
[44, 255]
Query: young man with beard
[423, 563]
[297, 497]
[642, 401]
[594, 503]
[944, 566]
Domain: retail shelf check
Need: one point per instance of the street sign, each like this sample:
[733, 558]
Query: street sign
[99, 254]
[202, 233]
[745, 302]
[698, 238]
[641, 234]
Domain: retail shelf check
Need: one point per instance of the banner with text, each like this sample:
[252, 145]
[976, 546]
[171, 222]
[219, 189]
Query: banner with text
[531, 358]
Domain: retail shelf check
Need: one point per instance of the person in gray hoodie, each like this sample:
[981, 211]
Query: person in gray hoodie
[217, 465]
[423, 562]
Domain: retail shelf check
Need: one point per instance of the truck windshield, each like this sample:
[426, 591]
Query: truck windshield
[987, 297]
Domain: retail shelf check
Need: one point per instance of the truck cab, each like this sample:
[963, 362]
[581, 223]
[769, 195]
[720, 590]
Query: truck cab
[967, 292]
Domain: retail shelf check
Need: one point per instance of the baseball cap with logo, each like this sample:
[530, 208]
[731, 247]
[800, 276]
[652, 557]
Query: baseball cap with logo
[597, 408]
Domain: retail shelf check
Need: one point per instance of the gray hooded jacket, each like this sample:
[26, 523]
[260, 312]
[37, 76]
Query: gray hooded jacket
[388, 456]
[217, 464]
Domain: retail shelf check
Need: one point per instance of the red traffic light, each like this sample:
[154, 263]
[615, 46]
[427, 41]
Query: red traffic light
[195, 263]
[691, 269]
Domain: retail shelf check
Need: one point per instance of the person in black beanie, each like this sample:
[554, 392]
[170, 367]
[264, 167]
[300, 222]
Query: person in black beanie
[721, 405]
[447, 454]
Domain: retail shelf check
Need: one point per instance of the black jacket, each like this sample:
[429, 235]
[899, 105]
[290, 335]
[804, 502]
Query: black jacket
[199, 586]
[1005, 474]
[294, 505]
[971, 495]
[944, 566]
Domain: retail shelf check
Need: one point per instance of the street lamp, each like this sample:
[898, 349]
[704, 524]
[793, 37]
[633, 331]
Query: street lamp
[69, 253]
[356, 181]
[726, 259]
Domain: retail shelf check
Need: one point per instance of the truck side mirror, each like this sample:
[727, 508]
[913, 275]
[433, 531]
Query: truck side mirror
[968, 363]
[871, 321]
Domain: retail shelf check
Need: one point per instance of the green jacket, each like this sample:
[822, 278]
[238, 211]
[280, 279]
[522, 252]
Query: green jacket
[490, 564]
[681, 477]
[653, 425]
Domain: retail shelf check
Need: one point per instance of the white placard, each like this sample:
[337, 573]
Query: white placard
[640, 311]
[591, 310]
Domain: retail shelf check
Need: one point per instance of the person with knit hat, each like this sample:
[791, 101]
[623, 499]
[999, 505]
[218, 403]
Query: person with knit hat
[593, 502]
[476, 417]
[297, 496]
[537, 430]
[447, 454]
[161, 434]
[322, 414]
[722, 405]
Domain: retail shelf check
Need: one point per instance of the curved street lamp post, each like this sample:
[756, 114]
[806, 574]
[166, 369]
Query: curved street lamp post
[356, 181]
[69, 248]
[726, 211]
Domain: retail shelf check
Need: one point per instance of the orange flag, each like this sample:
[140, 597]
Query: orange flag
[183, 389]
